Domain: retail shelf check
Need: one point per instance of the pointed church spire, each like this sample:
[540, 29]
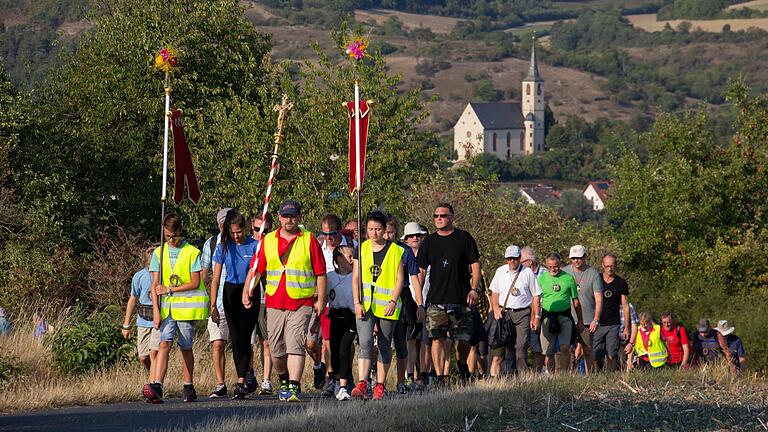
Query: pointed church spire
[533, 69]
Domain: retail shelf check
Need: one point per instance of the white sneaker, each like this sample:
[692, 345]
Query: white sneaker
[266, 388]
[343, 394]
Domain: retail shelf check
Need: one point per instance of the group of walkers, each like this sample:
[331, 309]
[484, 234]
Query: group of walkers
[411, 299]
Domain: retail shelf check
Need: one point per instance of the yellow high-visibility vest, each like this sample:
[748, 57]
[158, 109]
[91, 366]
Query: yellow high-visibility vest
[376, 295]
[657, 352]
[300, 279]
[187, 305]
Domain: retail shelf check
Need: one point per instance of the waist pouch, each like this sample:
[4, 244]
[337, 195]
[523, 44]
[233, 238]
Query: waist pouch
[554, 319]
[145, 312]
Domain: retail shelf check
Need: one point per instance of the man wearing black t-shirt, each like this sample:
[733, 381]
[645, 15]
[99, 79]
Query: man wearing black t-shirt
[615, 297]
[454, 278]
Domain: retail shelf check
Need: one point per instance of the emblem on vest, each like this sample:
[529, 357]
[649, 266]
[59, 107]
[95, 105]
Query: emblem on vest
[175, 280]
[608, 294]
[555, 287]
[375, 270]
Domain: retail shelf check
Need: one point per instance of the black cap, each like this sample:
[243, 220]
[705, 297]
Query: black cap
[290, 208]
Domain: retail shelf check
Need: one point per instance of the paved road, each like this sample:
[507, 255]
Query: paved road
[132, 416]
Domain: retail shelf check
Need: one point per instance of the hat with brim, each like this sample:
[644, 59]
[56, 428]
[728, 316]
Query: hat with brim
[412, 228]
[725, 328]
[512, 252]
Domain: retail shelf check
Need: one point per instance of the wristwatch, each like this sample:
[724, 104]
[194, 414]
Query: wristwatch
[170, 292]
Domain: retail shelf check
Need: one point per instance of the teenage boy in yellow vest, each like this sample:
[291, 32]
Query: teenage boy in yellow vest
[179, 299]
[292, 264]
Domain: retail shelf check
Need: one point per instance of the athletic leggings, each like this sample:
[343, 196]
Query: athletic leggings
[343, 334]
[384, 336]
[241, 322]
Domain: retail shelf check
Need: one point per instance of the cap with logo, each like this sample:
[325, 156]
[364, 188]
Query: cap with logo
[703, 325]
[289, 208]
[512, 252]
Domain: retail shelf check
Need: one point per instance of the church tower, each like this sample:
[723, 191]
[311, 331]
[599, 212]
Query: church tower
[532, 104]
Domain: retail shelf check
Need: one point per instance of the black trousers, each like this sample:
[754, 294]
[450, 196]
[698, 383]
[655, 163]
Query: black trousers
[241, 322]
[343, 334]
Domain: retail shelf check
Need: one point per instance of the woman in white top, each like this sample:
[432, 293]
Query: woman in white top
[342, 315]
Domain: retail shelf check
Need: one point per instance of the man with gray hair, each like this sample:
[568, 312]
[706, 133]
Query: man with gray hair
[589, 284]
[528, 259]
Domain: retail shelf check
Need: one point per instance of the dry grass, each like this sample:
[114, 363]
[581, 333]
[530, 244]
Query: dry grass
[648, 22]
[438, 24]
[656, 400]
[760, 5]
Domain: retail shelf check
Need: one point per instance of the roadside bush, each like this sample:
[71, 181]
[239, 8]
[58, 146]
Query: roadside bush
[9, 367]
[87, 342]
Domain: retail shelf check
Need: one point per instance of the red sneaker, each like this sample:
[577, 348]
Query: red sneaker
[360, 391]
[378, 391]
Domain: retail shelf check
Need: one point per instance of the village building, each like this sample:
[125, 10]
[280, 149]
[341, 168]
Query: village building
[597, 192]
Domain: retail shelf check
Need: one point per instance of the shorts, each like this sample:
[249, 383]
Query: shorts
[413, 332]
[549, 341]
[260, 331]
[287, 331]
[478, 329]
[449, 320]
[218, 331]
[587, 338]
[606, 342]
[186, 332]
[534, 340]
[322, 331]
[147, 339]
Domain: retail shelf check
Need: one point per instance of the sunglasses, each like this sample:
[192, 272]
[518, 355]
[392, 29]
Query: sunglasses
[513, 258]
[441, 215]
[329, 233]
[410, 236]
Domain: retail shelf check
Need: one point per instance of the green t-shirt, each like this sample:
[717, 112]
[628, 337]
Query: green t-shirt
[557, 292]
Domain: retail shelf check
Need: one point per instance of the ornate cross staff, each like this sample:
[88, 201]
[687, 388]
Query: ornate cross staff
[282, 110]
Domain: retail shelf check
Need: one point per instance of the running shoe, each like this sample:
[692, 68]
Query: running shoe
[283, 393]
[361, 390]
[295, 391]
[320, 376]
[250, 382]
[401, 388]
[153, 392]
[240, 392]
[378, 391]
[343, 394]
[190, 395]
[409, 382]
[266, 387]
[330, 388]
[219, 392]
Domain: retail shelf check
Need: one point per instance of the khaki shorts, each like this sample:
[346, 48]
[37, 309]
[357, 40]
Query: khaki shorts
[287, 331]
[220, 331]
[147, 339]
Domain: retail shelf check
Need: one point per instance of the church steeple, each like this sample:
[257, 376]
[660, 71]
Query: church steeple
[533, 68]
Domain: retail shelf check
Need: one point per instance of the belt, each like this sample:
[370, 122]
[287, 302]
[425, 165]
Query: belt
[519, 309]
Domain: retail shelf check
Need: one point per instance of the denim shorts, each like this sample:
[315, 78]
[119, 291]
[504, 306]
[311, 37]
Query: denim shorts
[186, 330]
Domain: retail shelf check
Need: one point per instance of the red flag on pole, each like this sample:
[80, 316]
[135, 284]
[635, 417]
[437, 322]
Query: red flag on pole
[184, 171]
[364, 117]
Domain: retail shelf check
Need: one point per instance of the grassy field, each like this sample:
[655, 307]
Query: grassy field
[760, 5]
[648, 22]
[438, 24]
[654, 400]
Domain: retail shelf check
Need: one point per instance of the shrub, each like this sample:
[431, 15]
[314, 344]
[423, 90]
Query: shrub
[89, 342]
[9, 368]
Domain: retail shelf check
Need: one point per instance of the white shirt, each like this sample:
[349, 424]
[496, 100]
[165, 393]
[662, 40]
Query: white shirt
[526, 284]
[328, 253]
[340, 291]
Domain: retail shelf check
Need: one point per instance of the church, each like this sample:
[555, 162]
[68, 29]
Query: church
[504, 129]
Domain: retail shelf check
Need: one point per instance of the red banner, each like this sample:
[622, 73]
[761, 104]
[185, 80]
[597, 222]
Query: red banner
[364, 117]
[184, 171]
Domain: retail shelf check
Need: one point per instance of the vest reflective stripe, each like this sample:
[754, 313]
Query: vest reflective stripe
[656, 352]
[187, 305]
[376, 295]
[300, 279]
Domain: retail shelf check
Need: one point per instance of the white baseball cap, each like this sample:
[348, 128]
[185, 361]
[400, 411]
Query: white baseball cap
[512, 252]
[577, 251]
